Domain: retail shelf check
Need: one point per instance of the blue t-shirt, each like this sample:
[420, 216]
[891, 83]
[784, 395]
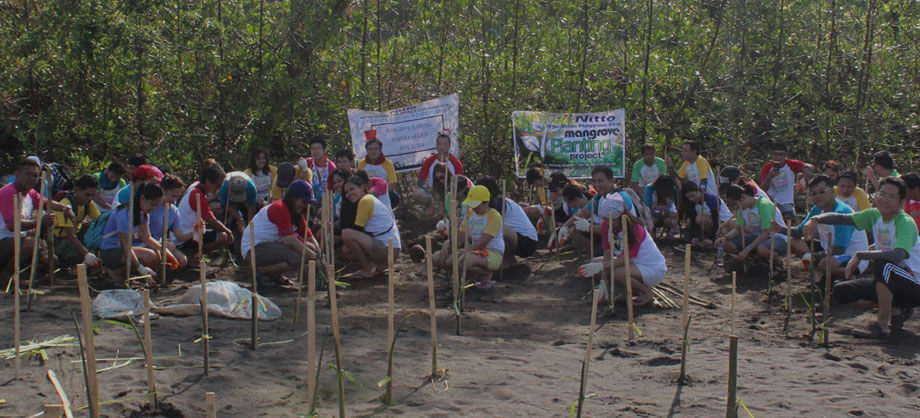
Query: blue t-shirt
[118, 224]
[252, 194]
[842, 233]
[156, 221]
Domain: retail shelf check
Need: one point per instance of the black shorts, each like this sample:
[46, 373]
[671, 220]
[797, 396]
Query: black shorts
[525, 246]
[903, 285]
[191, 246]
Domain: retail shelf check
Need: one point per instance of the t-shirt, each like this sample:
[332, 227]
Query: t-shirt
[898, 232]
[761, 216]
[322, 180]
[517, 220]
[87, 212]
[156, 220]
[913, 206]
[377, 220]
[644, 252]
[844, 236]
[782, 187]
[7, 220]
[108, 189]
[188, 208]
[490, 224]
[698, 172]
[858, 201]
[272, 223]
[252, 192]
[265, 182]
[119, 223]
[426, 173]
[384, 170]
[645, 174]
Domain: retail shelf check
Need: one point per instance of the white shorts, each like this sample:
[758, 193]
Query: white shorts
[651, 275]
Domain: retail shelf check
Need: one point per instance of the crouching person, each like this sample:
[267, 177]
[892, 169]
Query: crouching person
[67, 233]
[367, 240]
[483, 224]
[126, 230]
[281, 234]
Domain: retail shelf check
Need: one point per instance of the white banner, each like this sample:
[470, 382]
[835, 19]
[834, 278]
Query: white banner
[409, 134]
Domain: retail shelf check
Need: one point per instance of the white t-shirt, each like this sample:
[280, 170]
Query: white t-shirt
[782, 187]
[515, 218]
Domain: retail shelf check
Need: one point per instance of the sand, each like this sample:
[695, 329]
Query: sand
[520, 353]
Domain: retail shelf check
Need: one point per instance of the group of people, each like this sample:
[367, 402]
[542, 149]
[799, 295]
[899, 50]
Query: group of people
[133, 216]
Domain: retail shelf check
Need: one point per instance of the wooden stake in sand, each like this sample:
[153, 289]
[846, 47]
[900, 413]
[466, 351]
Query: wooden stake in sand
[340, 373]
[388, 395]
[211, 400]
[587, 361]
[148, 354]
[303, 265]
[17, 249]
[731, 410]
[129, 247]
[685, 322]
[163, 241]
[38, 241]
[827, 293]
[770, 277]
[254, 327]
[811, 293]
[88, 341]
[52, 410]
[501, 269]
[455, 266]
[788, 302]
[732, 313]
[612, 254]
[65, 402]
[203, 281]
[311, 333]
[431, 306]
[629, 301]
[741, 226]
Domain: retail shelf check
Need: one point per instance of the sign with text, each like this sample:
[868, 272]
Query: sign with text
[409, 134]
[571, 143]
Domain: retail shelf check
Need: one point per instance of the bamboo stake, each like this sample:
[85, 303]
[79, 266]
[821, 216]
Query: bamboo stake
[610, 291]
[311, 332]
[17, 249]
[330, 274]
[629, 301]
[331, 229]
[303, 265]
[38, 240]
[50, 249]
[388, 395]
[210, 399]
[741, 227]
[455, 268]
[587, 361]
[148, 354]
[163, 240]
[203, 280]
[788, 273]
[734, 289]
[501, 269]
[89, 341]
[431, 306]
[254, 326]
[770, 277]
[731, 410]
[827, 292]
[812, 267]
[52, 410]
[65, 402]
[685, 308]
[129, 248]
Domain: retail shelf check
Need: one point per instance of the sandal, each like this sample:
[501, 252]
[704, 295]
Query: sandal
[873, 331]
[897, 321]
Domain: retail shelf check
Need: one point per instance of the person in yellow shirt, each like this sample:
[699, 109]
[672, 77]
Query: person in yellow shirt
[263, 174]
[851, 194]
[695, 168]
[374, 228]
[70, 249]
[483, 225]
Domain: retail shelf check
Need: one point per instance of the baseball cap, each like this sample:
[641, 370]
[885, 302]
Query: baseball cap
[476, 196]
[300, 189]
[146, 172]
[611, 205]
[237, 189]
[286, 173]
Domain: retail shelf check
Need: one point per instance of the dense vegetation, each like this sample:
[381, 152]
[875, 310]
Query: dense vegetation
[85, 81]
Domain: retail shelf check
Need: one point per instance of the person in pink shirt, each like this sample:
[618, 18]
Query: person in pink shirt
[912, 203]
[27, 175]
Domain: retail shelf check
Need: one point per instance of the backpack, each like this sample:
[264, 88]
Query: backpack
[94, 232]
[61, 179]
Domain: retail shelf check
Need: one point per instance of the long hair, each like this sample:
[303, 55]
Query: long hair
[149, 191]
[252, 161]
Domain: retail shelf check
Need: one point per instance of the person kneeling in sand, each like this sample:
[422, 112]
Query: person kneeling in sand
[374, 226]
[751, 232]
[648, 265]
[281, 234]
[484, 227]
[126, 230]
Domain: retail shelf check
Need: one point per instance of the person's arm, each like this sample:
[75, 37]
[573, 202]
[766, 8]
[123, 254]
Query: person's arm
[426, 167]
[100, 201]
[458, 166]
[71, 236]
[637, 166]
[391, 172]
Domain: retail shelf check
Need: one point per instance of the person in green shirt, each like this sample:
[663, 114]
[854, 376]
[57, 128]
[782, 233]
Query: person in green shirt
[110, 181]
[895, 260]
[882, 166]
[756, 217]
[647, 169]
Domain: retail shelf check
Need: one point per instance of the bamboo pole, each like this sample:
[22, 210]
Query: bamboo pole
[501, 269]
[391, 276]
[129, 248]
[770, 277]
[65, 401]
[731, 410]
[827, 292]
[685, 309]
[203, 281]
[610, 291]
[303, 265]
[89, 341]
[788, 273]
[210, 399]
[431, 305]
[311, 333]
[455, 267]
[585, 365]
[734, 289]
[254, 316]
[340, 374]
[629, 301]
[741, 227]
[812, 267]
[148, 354]
[50, 248]
[52, 410]
[17, 249]
[38, 241]
[163, 241]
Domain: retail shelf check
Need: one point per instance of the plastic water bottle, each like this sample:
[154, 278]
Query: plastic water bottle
[720, 255]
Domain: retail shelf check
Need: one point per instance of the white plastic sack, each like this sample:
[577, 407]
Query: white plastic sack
[226, 299]
[118, 303]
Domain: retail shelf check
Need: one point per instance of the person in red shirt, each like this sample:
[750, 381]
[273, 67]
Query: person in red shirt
[219, 236]
[912, 203]
[442, 156]
[779, 177]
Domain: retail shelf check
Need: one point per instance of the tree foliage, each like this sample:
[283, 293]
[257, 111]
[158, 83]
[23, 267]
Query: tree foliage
[87, 81]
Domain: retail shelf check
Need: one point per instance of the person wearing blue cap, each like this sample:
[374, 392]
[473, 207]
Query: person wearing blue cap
[281, 233]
